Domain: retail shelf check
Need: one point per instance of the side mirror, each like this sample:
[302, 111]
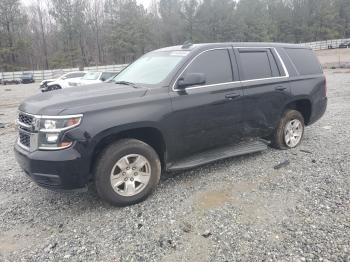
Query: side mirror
[191, 80]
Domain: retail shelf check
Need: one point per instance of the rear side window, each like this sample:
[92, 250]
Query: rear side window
[258, 64]
[305, 61]
[215, 65]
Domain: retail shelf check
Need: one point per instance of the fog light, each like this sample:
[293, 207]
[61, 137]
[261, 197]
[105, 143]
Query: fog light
[52, 138]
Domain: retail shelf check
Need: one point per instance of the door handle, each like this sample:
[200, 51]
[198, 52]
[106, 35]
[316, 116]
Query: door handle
[281, 88]
[232, 96]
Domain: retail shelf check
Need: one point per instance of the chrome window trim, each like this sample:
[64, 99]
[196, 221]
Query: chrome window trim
[192, 60]
[286, 73]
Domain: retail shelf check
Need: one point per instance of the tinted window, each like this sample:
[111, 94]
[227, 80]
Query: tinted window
[215, 65]
[255, 64]
[107, 75]
[305, 61]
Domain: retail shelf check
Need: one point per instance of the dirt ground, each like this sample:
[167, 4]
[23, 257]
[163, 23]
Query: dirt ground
[334, 57]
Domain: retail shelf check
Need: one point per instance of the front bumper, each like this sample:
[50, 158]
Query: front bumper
[55, 170]
[44, 88]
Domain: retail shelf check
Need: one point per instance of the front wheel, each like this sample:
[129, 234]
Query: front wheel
[127, 172]
[54, 87]
[290, 130]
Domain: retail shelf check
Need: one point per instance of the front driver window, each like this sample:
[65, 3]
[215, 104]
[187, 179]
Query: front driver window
[214, 64]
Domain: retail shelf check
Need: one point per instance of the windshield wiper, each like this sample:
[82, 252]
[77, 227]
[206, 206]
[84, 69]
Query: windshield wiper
[126, 83]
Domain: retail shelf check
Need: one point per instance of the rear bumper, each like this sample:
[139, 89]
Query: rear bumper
[55, 170]
[27, 81]
[318, 110]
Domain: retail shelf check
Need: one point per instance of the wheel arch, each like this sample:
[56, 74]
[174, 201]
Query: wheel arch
[52, 85]
[148, 134]
[302, 105]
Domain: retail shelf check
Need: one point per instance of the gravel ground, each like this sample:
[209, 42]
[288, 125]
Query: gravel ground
[238, 209]
[339, 57]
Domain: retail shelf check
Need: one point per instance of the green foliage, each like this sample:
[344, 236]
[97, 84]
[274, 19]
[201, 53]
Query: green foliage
[72, 33]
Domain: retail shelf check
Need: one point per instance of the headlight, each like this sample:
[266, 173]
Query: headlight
[51, 131]
[59, 124]
[50, 124]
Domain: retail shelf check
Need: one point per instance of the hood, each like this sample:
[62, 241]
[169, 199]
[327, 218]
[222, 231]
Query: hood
[81, 81]
[73, 100]
[54, 82]
[48, 80]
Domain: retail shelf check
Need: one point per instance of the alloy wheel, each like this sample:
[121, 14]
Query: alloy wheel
[293, 132]
[130, 175]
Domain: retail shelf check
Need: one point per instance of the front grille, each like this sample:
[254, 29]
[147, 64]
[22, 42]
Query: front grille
[26, 130]
[24, 139]
[25, 119]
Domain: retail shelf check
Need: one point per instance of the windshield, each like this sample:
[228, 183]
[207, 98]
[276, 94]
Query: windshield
[91, 76]
[152, 68]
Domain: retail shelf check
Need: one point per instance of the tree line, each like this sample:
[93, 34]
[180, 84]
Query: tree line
[50, 34]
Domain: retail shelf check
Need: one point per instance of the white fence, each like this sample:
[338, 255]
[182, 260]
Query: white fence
[47, 74]
[328, 44]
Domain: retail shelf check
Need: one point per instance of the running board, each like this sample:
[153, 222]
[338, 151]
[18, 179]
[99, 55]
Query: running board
[219, 154]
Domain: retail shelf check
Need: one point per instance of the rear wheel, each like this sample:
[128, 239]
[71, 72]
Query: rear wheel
[127, 172]
[290, 130]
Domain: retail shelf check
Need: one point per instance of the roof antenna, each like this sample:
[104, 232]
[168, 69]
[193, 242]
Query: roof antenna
[187, 44]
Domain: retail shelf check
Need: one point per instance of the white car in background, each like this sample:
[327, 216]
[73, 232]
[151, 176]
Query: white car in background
[60, 82]
[92, 78]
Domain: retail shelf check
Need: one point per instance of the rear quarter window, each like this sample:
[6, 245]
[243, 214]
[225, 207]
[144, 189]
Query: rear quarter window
[305, 61]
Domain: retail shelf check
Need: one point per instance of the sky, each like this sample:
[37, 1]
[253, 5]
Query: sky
[145, 3]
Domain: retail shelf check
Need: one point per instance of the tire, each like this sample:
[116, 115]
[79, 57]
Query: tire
[108, 170]
[54, 87]
[281, 133]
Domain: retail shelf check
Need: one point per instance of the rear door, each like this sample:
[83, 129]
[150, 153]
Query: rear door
[208, 115]
[265, 87]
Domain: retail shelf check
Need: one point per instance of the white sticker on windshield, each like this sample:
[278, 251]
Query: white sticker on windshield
[179, 53]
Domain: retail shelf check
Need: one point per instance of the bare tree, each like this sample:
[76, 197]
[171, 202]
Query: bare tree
[71, 33]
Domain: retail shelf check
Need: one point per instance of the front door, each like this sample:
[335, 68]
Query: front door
[208, 115]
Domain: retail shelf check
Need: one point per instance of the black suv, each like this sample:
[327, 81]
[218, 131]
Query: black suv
[173, 109]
